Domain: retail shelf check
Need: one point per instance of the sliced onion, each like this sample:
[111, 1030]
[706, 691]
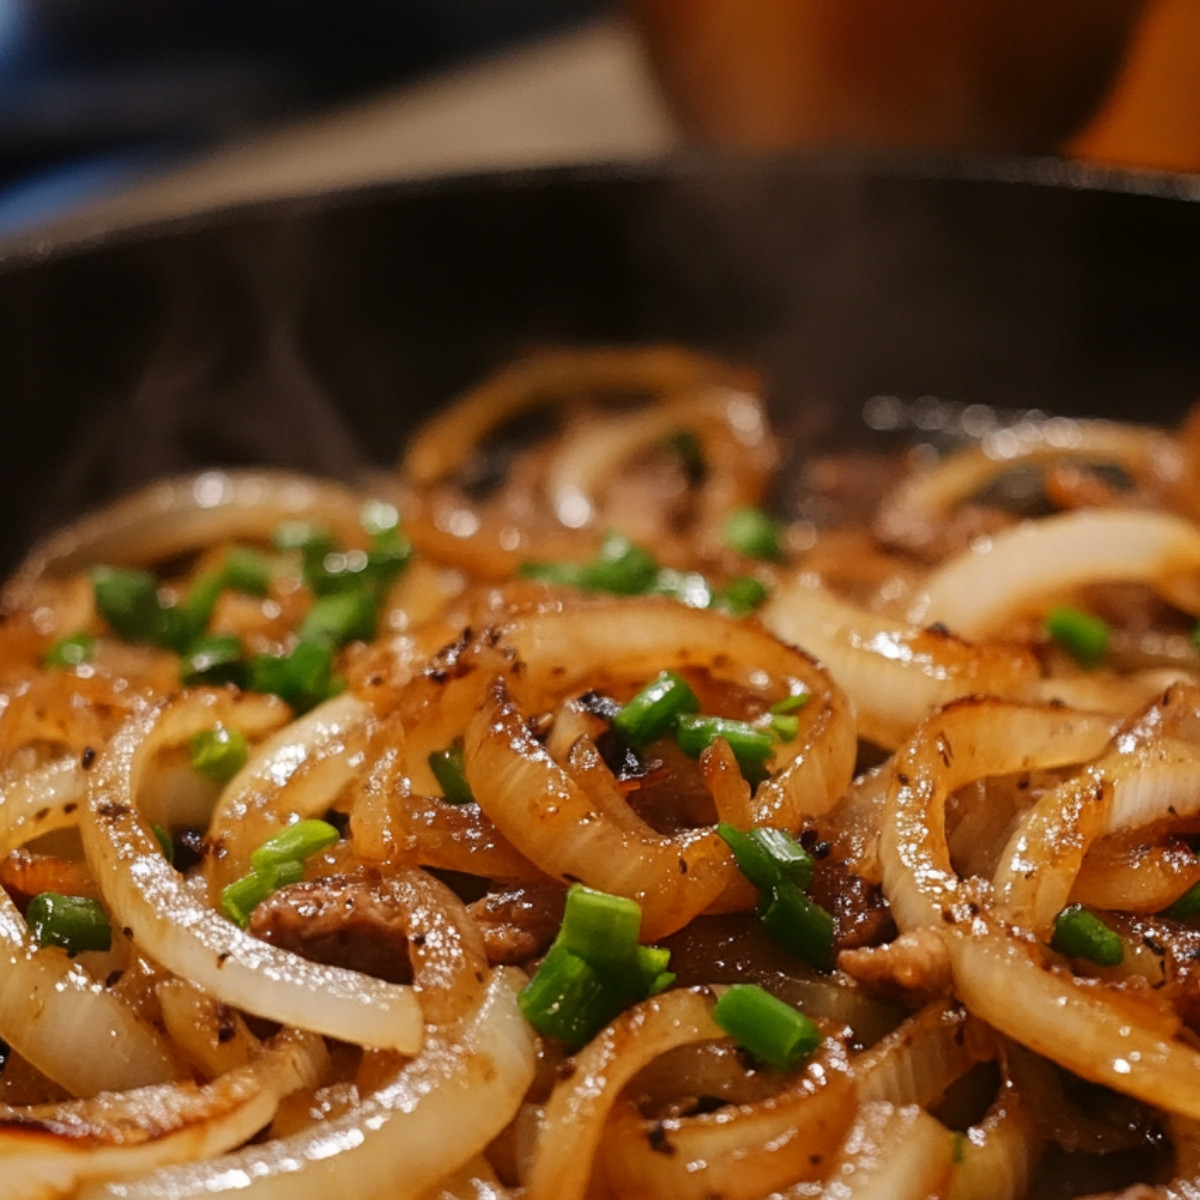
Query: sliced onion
[999, 974]
[895, 673]
[999, 1155]
[914, 509]
[181, 515]
[440, 1111]
[297, 773]
[921, 1057]
[740, 1151]
[146, 895]
[51, 1009]
[1123, 790]
[557, 375]
[574, 1117]
[60, 1146]
[1006, 575]
[893, 1153]
[548, 817]
[598, 641]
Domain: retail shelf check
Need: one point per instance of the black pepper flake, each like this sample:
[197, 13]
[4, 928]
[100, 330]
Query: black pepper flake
[87, 758]
[657, 1137]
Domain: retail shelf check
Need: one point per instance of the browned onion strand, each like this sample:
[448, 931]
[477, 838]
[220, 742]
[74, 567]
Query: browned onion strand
[959, 776]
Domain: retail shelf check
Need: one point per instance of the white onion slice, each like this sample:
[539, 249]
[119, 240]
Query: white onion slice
[60, 1146]
[914, 508]
[294, 774]
[894, 673]
[180, 515]
[1004, 575]
[51, 1010]
[441, 1110]
[146, 895]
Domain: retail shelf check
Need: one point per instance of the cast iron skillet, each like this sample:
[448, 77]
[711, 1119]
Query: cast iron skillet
[314, 333]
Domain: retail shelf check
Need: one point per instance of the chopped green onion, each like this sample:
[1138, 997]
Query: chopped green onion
[751, 532]
[128, 600]
[449, 769]
[1084, 637]
[785, 726]
[790, 703]
[213, 660]
[302, 678]
[194, 612]
[601, 928]
[165, 841]
[958, 1146]
[340, 618]
[653, 710]
[697, 733]
[594, 969]
[621, 568]
[652, 967]
[390, 553]
[1079, 933]
[766, 1026]
[799, 924]
[568, 1000]
[1187, 906]
[70, 651]
[768, 857]
[219, 753]
[73, 922]
[295, 843]
[246, 570]
[240, 898]
[740, 596]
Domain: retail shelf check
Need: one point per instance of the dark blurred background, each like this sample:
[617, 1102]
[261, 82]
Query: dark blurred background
[94, 90]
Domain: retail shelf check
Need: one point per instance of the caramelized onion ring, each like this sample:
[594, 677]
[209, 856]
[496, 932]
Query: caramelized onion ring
[147, 895]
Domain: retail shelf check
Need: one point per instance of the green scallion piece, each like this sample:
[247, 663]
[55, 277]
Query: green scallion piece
[340, 618]
[652, 964]
[297, 842]
[568, 999]
[73, 922]
[247, 571]
[768, 857]
[450, 770]
[785, 726]
[213, 660]
[791, 703]
[1187, 906]
[302, 678]
[749, 744]
[218, 753]
[751, 532]
[769, 1028]
[128, 600]
[799, 924]
[602, 929]
[72, 651]
[240, 898]
[1079, 933]
[192, 615]
[1082, 635]
[620, 568]
[653, 710]
[740, 596]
